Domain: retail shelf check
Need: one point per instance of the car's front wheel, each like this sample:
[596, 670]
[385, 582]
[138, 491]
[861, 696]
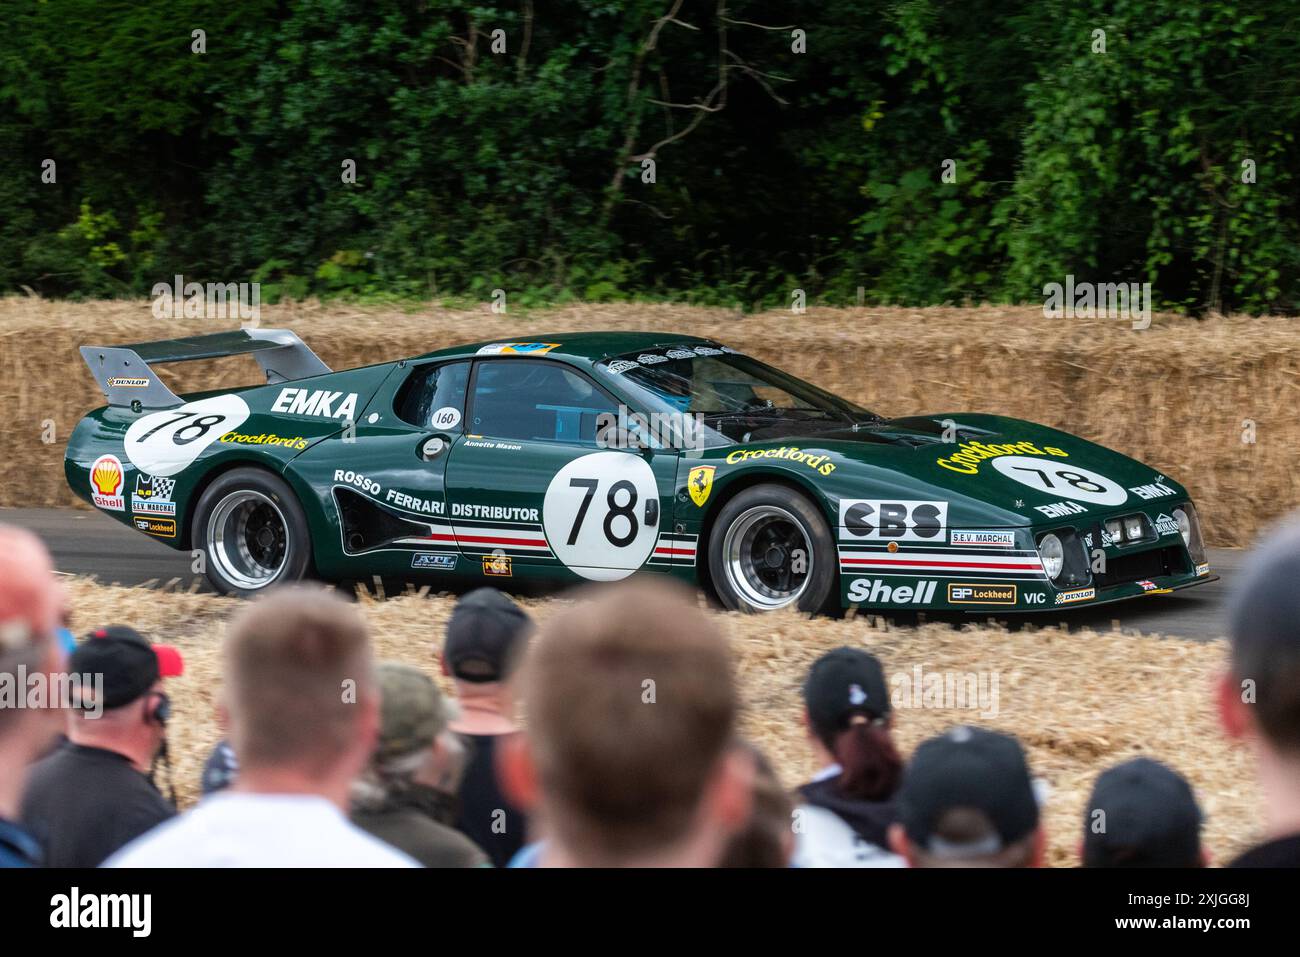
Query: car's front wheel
[771, 548]
[252, 531]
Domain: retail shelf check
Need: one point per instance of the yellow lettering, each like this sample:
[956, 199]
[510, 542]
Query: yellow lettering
[967, 460]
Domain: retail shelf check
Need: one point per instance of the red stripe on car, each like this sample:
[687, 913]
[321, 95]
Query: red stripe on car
[927, 564]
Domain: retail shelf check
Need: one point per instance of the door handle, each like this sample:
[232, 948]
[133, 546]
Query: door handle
[652, 511]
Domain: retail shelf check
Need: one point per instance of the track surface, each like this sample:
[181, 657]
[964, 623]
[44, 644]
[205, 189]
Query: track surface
[87, 543]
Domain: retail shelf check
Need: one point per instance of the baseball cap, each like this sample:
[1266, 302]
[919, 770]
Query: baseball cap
[484, 636]
[412, 711]
[128, 663]
[1151, 818]
[974, 769]
[842, 683]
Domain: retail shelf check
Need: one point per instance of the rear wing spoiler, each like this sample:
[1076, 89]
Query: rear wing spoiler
[125, 376]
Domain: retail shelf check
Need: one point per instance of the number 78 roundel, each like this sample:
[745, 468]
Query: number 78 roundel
[164, 443]
[1061, 479]
[601, 514]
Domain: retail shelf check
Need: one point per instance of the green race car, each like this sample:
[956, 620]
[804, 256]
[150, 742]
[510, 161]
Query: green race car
[592, 456]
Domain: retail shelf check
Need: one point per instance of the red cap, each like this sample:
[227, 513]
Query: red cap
[170, 662]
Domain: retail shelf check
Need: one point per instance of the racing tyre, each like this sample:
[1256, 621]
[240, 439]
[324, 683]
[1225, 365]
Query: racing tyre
[252, 531]
[771, 548]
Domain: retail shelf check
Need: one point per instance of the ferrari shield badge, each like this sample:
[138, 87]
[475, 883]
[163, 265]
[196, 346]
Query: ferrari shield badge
[700, 483]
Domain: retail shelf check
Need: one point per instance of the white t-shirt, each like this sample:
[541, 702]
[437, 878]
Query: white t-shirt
[825, 840]
[234, 829]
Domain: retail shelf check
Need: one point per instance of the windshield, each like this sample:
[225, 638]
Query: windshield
[739, 399]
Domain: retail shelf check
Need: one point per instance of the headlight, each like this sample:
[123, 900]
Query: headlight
[1114, 530]
[1190, 527]
[1133, 528]
[1052, 554]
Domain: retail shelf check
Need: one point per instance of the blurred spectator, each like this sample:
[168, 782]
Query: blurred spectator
[768, 840]
[848, 806]
[1142, 814]
[304, 714]
[1259, 697]
[967, 801]
[406, 798]
[627, 756]
[96, 793]
[31, 604]
[220, 769]
[486, 637]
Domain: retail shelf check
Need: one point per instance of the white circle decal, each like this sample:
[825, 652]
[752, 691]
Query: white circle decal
[165, 443]
[596, 518]
[1061, 478]
[448, 417]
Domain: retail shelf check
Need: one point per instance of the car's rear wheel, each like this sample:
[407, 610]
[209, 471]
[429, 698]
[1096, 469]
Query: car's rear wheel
[252, 531]
[770, 548]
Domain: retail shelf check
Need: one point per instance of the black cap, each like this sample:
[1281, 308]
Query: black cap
[968, 768]
[1148, 818]
[843, 683]
[128, 665]
[486, 632]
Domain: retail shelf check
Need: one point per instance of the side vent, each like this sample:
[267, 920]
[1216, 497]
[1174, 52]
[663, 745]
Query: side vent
[367, 525]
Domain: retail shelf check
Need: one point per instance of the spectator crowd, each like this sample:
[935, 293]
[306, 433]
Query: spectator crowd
[630, 754]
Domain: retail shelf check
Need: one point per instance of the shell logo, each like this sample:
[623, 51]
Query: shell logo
[106, 473]
[106, 479]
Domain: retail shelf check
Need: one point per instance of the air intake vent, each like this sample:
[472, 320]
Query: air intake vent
[1151, 563]
[367, 525]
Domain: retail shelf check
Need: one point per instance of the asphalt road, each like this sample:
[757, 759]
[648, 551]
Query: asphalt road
[88, 543]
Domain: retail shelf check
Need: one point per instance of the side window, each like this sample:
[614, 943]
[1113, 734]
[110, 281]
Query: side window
[527, 399]
[433, 396]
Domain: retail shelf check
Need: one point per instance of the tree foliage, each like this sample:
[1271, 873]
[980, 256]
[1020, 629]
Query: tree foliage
[919, 150]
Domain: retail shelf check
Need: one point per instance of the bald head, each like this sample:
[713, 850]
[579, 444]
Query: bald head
[30, 607]
[29, 593]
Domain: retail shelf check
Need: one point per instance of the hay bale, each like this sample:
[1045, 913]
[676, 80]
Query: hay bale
[1175, 396]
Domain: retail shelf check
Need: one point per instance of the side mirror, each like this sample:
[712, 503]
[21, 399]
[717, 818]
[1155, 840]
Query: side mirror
[616, 438]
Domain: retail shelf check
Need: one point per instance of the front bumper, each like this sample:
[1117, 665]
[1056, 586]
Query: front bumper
[997, 572]
[1126, 592]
